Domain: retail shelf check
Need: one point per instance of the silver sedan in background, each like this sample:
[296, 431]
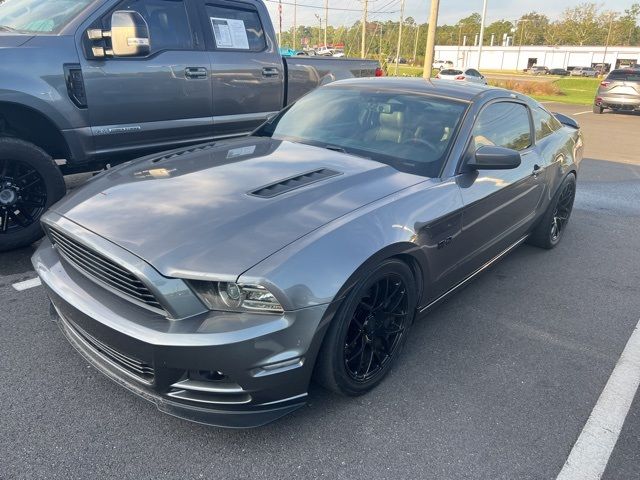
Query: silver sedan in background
[217, 280]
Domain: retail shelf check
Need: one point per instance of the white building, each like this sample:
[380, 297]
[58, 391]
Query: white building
[521, 57]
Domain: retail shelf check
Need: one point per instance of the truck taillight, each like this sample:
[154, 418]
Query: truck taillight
[379, 72]
[75, 85]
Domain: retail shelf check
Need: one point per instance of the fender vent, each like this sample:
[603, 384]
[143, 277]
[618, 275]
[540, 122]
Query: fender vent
[291, 183]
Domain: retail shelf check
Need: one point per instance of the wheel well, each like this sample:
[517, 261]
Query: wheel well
[29, 125]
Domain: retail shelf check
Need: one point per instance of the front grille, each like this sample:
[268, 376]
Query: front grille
[101, 269]
[141, 370]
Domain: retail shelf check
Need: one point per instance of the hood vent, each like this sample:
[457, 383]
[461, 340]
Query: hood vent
[291, 183]
[179, 153]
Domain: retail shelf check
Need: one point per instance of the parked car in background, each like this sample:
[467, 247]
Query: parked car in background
[249, 266]
[536, 70]
[559, 71]
[584, 72]
[620, 91]
[442, 64]
[77, 88]
[466, 75]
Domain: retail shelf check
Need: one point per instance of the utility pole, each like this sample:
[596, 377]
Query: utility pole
[431, 39]
[415, 44]
[363, 45]
[399, 35]
[606, 44]
[484, 16]
[326, 21]
[319, 29]
[523, 21]
[295, 26]
[279, 23]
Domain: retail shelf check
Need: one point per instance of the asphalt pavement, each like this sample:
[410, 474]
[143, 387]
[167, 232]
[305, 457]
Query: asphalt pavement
[496, 383]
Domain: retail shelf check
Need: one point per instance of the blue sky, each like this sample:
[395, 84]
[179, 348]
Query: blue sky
[450, 10]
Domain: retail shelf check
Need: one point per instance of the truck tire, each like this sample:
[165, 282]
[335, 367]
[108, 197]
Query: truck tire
[30, 182]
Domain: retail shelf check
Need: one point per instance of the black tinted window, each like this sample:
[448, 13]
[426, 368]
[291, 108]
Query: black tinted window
[236, 29]
[472, 72]
[544, 123]
[504, 124]
[450, 71]
[625, 75]
[168, 22]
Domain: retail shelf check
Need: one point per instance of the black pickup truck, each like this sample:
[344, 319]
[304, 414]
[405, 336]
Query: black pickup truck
[87, 83]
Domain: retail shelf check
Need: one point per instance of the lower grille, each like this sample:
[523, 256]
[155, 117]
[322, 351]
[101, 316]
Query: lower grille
[137, 368]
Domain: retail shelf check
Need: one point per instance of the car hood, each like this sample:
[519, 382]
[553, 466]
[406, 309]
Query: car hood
[10, 40]
[192, 214]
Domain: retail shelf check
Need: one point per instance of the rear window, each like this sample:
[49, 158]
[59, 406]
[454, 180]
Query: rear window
[625, 75]
[450, 71]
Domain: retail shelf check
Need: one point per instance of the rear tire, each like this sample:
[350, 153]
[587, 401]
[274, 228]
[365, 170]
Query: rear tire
[368, 331]
[598, 109]
[550, 230]
[30, 182]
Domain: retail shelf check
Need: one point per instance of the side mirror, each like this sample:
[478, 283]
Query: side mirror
[129, 34]
[494, 158]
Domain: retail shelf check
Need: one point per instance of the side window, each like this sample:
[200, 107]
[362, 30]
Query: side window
[168, 22]
[504, 124]
[473, 73]
[544, 123]
[236, 28]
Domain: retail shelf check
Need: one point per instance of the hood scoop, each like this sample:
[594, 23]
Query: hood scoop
[292, 183]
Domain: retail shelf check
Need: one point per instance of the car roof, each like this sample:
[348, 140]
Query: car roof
[464, 91]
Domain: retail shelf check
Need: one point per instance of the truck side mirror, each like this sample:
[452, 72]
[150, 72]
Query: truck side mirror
[129, 34]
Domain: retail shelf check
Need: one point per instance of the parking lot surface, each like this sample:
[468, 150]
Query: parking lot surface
[496, 383]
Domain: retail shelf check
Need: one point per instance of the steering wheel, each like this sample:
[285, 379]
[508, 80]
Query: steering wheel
[421, 141]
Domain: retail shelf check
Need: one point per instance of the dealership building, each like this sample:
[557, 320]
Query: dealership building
[521, 57]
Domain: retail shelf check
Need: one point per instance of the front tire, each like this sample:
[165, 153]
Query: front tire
[598, 109]
[30, 182]
[553, 223]
[368, 331]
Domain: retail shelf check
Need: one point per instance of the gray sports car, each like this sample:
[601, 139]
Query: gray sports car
[218, 280]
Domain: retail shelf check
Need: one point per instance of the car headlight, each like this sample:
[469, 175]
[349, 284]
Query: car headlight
[233, 297]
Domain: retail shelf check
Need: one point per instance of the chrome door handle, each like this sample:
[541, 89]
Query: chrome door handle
[270, 72]
[195, 72]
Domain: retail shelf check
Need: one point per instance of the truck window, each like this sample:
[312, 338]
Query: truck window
[37, 16]
[236, 28]
[168, 23]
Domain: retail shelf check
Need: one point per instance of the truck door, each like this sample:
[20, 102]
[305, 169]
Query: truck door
[159, 100]
[247, 70]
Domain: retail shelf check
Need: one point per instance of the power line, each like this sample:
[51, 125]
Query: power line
[331, 8]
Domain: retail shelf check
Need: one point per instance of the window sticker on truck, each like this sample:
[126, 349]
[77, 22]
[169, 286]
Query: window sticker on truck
[230, 33]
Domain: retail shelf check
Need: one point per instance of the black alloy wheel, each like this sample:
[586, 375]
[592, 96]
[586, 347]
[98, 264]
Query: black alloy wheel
[30, 182]
[376, 328]
[23, 196]
[551, 227]
[369, 330]
[562, 211]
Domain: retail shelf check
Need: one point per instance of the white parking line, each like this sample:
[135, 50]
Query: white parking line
[582, 113]
[590, 454]
[27, 284]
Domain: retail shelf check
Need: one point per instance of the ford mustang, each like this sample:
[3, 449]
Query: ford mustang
[218, 280]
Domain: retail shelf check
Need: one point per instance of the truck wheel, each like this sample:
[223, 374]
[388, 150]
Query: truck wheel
[30, 182]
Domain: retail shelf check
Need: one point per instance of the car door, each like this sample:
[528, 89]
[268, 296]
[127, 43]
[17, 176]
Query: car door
[161, 99]
[499, 205]
[247, 70]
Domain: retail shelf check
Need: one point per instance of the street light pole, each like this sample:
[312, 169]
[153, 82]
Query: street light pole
[319, 29]
[363, 45]
[606, 44]
[484, 16]
[523, 21]
[415, 44]
[326, 20]
[431, 39]
[295, 26]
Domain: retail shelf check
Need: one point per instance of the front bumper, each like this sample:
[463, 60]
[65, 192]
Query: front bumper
[230, 370]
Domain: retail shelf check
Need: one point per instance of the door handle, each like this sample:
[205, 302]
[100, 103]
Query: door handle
[195, 72]
[270, 72]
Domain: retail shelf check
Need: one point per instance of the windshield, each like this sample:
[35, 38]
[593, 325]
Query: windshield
[38, 16]
[409, 131]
